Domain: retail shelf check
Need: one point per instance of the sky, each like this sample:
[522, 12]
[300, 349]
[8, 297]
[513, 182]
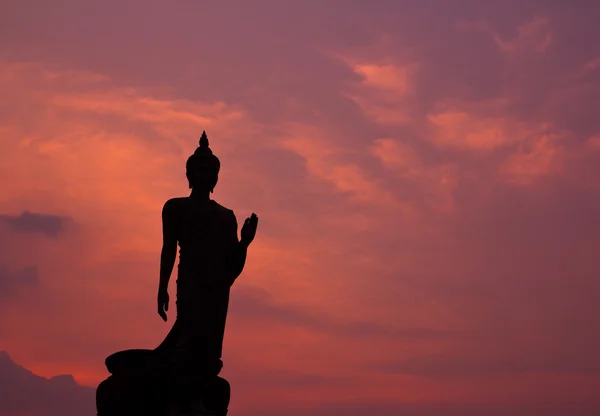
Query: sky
[426, 174]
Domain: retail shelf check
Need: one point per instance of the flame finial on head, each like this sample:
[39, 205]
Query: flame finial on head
[203, 139]
[204, 154]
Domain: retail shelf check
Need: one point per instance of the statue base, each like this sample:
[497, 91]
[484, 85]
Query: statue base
[137, 388]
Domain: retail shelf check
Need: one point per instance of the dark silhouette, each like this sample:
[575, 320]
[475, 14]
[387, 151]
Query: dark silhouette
[180, 376]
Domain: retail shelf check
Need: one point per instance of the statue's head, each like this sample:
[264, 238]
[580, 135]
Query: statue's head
[202, 168]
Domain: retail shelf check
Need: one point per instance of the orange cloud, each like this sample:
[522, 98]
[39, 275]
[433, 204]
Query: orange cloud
[462, 130]
[541, 158]
[383, 89]
[437, 182]
[325, 161]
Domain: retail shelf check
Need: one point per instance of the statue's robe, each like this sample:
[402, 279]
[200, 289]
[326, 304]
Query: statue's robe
[188, 361]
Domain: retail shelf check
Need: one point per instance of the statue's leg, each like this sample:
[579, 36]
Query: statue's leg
[194, 363]
[180, 374]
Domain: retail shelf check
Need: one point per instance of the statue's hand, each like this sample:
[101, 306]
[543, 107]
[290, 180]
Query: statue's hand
[249, 229]
[163, 303]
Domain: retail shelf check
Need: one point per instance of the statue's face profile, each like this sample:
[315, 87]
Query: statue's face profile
[202, 176]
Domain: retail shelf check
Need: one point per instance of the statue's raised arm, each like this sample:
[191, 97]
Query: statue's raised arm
[238, 259]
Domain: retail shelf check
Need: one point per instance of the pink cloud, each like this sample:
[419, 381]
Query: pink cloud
[533, 36]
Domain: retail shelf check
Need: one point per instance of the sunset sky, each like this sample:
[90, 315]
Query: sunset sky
[426, 173]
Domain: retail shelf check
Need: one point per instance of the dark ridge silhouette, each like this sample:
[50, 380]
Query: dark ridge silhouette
[181, 375]
[24, 393]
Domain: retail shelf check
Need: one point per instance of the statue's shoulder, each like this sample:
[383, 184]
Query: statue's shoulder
[223, 210]
[173, 204]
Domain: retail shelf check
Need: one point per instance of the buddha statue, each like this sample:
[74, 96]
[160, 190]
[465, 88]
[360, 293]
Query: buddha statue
[180, 376]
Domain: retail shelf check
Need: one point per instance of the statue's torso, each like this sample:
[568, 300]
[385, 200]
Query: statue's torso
[207, 236]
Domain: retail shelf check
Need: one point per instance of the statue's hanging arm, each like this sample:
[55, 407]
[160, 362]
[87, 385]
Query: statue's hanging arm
[168, 255]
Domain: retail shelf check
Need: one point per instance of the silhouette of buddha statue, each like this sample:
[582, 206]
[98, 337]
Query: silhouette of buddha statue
[211, 258]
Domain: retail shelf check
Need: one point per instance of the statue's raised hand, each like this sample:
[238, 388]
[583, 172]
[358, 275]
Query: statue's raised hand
[249, 229]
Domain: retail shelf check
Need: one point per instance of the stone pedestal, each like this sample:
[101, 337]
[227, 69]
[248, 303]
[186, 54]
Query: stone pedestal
[137, 387]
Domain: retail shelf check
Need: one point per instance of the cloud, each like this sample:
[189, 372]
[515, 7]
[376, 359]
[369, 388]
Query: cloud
[533, 36]
[256, 305]
[384, 89]
[469, 132]
[12, 282]
[432, 185]
[544, 157]
[27, 222]
[474, 364]
[334, 165]
[548, 407]
[22, 392]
